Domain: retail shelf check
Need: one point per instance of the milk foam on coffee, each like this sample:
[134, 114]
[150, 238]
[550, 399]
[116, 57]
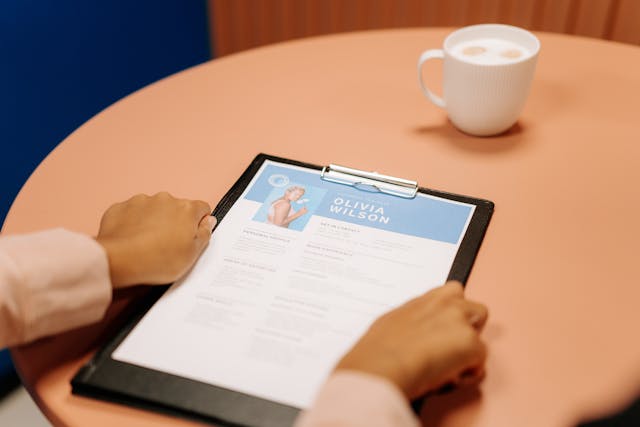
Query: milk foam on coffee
[489, 51]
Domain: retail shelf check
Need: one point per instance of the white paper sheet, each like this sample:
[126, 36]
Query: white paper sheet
[268, 310]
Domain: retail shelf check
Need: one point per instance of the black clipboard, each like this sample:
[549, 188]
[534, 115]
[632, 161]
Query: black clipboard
[108, 379]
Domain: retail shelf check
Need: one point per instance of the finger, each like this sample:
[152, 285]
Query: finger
[471, 376]
[450, 289]
[200, 209]
[163, 195]
[446, 388]
[133, 202]
[453, 287]
[476, 313]
[136, 197]
[205, 228]
[481, 354]
[207, 224]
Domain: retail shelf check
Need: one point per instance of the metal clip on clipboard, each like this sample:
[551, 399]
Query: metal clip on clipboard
[370, 181]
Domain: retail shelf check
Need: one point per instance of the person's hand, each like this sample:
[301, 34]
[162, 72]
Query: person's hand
[429, 342]
[303, 210]
[154, 239]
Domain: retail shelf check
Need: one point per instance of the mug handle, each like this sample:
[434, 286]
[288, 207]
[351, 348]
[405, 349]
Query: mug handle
[427, 55]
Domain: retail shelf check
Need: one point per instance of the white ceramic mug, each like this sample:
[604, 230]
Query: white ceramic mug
[483, 98]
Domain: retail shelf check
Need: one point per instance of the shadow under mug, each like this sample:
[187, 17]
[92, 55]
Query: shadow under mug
[483, 99]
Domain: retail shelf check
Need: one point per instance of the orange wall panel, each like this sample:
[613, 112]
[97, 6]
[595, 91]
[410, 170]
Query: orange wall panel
[242, 24]
[626, 26]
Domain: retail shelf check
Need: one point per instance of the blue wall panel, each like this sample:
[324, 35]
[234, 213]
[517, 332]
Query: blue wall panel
[63, 61]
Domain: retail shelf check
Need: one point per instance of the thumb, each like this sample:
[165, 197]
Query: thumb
[205, 228]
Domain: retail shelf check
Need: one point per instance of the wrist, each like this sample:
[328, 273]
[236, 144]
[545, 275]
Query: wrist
[119, 271]
[382, 368]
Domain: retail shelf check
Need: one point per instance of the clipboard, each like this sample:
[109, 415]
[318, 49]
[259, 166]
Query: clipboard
[108, 379]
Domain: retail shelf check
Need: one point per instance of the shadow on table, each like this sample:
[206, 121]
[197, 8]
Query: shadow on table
[509, 140]
[461, 403]
[8, 383]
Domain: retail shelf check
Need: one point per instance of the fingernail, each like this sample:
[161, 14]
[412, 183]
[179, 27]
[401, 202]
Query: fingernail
[211, 222]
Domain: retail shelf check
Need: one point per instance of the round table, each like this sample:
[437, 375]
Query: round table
[558, 265]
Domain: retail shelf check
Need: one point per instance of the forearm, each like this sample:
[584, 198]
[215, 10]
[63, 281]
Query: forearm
[50, 282]
[352, 399]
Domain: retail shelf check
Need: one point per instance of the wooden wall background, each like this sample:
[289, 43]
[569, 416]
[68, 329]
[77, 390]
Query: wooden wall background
[241, 24]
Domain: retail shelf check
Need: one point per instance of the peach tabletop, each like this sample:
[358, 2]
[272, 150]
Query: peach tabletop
[558, 267]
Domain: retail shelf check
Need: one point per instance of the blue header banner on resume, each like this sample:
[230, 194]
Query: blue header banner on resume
[427, 217]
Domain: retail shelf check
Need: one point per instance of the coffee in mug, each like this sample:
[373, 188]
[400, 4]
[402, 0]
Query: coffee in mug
[489, 51]
[488, 70]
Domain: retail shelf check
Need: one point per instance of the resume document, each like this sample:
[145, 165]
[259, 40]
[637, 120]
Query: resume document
[294, 274]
